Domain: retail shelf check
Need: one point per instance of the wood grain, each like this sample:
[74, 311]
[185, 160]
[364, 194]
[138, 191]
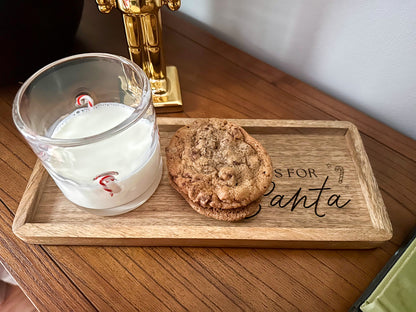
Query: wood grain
[313, 155]
[217, 80]
[36, 273]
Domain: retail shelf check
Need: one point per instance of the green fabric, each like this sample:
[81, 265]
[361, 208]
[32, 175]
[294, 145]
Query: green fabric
[397, 290]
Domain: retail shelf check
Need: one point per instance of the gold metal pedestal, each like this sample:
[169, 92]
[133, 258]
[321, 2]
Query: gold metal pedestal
[143, 25]
[172, 100]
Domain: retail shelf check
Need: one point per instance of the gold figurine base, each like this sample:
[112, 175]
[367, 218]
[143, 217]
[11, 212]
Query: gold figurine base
[143, 27]
[171, 101]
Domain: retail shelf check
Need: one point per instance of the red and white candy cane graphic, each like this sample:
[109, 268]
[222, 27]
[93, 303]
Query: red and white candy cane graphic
[42, 151]
[108, 182]
[126, 4]
[84, 99]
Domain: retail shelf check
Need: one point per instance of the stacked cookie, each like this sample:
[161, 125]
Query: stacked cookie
[218, 168]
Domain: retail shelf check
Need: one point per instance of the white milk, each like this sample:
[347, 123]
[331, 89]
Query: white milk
[121, 171]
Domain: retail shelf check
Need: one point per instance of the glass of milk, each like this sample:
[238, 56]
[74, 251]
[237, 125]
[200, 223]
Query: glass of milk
[90, 119]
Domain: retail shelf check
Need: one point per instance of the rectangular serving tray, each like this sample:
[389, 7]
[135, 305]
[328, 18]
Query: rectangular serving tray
[323, 195]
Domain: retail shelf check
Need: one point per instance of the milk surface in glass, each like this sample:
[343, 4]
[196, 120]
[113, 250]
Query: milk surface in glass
[113, 171]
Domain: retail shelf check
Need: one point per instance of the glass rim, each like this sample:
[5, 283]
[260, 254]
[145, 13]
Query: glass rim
[126, 123]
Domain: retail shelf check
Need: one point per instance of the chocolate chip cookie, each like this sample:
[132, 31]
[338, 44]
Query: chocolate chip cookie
[216, 164]
[230, 215]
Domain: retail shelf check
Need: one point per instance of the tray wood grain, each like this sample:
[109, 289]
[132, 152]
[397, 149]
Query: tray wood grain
[323, 195]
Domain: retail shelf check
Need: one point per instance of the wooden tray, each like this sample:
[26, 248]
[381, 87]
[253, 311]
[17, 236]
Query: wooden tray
[318, 166]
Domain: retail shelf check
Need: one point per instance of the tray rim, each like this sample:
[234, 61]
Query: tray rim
[380, 231]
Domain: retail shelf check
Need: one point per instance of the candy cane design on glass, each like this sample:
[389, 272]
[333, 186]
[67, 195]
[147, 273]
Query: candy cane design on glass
[108, 182]
[84, 99]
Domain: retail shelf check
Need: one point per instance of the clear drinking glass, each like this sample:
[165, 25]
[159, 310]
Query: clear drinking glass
[90, 120]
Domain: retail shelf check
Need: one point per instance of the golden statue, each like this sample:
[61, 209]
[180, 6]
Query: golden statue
[143, 26]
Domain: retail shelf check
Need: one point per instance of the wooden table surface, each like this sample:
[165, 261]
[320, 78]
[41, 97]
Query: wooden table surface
[217, 80]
